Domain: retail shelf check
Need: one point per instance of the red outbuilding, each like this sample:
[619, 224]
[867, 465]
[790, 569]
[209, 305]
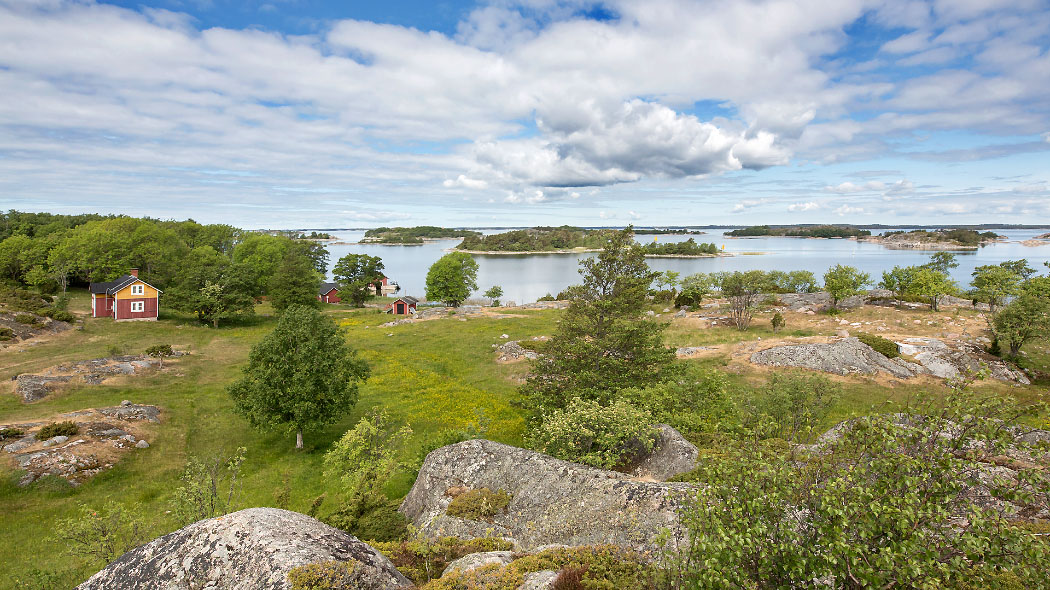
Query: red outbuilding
[328, 293]
[403, 306]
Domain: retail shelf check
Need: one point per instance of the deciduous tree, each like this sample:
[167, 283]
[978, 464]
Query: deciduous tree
[301, 375]
[452, 278]
[355, 273]
[844, 281]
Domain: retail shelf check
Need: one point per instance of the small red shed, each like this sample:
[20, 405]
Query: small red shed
[403, 306]
[328, 293]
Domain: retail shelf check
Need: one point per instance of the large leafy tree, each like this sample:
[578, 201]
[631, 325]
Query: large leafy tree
[354, 273]
[208, 285]
[294, 282]
[604, 342]
[898, 280]
[931, 285]
[302, 375]
[1025, 318]
[262, 253]
[844, 281]
[995, 283]
[452, 278]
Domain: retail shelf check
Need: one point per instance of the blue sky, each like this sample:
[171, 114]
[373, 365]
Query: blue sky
[305, 113]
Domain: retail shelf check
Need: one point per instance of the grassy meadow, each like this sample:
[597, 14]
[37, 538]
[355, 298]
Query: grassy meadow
[431, 375]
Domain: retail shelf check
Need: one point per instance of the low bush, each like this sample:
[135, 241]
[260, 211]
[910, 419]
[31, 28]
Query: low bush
[6, 333]
[479, 504]
[606, 437]
[595, 567]
[160, 350]
[422, 560]
[327, 575]
[778, 322]
[886, 348]
[6, 433]
[533, 345]
[28, 319]
[67, 428]
[547, 297]
[63, 316]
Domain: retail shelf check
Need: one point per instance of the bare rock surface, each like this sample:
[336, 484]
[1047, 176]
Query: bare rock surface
[541, 580]
[253, 548]
[90, 372]
[842, 357]
[671, 455]
[552, 501]
[946, 362]
[510, 352]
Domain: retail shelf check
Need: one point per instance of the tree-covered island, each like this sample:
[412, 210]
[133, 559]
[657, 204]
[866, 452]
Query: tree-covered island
[413, 235]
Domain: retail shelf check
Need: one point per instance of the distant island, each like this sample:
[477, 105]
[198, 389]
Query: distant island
[568, 239]
[399, 236]
[537, 240]
[940, 239]
[816, 231]
[679, 231]
[315, 236]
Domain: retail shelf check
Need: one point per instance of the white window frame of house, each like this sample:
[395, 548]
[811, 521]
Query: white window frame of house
[138, 306]
[138, 290]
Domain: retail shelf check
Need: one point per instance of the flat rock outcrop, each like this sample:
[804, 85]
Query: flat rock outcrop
[842, 357]
[253, 548]
[941, 360]
[671, 455]
[552, 501]
[89, 372]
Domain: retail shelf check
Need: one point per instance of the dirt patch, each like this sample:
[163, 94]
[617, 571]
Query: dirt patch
[105, 436]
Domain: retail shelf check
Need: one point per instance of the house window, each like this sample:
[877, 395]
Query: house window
[138, 306]
[138, 290]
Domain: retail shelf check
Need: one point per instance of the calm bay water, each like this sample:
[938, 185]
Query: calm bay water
[525, 278]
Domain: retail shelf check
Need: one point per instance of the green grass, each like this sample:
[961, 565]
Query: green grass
[432, 375]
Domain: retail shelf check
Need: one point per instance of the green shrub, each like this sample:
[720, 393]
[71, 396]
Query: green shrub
[377, 521]
[63, 316]
[479, 504]
[606, 437]
[160, 350]
[421, 560]
[6, 433]
[790, 406]
[533, 345]
[28, 319]
[327, 575]
[6, 333]
[602, 567]
[547, 297]
[886, 348]
[67, 428]
[778, 322]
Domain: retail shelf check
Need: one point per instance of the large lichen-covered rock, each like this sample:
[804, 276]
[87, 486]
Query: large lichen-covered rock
[842, 357]
[552, 501]
[671, 455]
[253, 548]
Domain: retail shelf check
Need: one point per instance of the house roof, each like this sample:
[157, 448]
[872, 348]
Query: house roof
[408, 300]
[327, 288]
[112, 287]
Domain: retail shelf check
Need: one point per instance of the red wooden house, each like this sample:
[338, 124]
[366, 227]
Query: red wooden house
[385, 287]
[328, 293]
[127, 298]
[403, 306]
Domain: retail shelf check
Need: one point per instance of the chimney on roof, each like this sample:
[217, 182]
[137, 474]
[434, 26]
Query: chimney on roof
[134, 272]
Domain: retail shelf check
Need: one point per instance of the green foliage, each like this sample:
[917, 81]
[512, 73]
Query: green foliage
[931, 285]
[819, 231]
[261, 254]
[547, 297]
[697, 402]
[494, 293]
[880, 507]
[844, 281]
[302, 375]
[1025, 318]
[694, 288]
[67, 428]
[160, 350]
[995, 283]
[209, 487]
[28, 319]
[295, 282]
[452, 278]
[414, 235]
[422, 560]
[6, 333]
[777, 322]
[327, 575]
[537, 239]
[587, 432]
[899, 281]
[960, 237]
[790, 406]
[883, 346]
[742, 289]
[8, 433]
[354, 273]
[478, 504]
[604, 342]
[603, 567]
[98, 536]
[942, 262]
[213, 288]
[364, 459]
[687, 248]
[372, 517]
